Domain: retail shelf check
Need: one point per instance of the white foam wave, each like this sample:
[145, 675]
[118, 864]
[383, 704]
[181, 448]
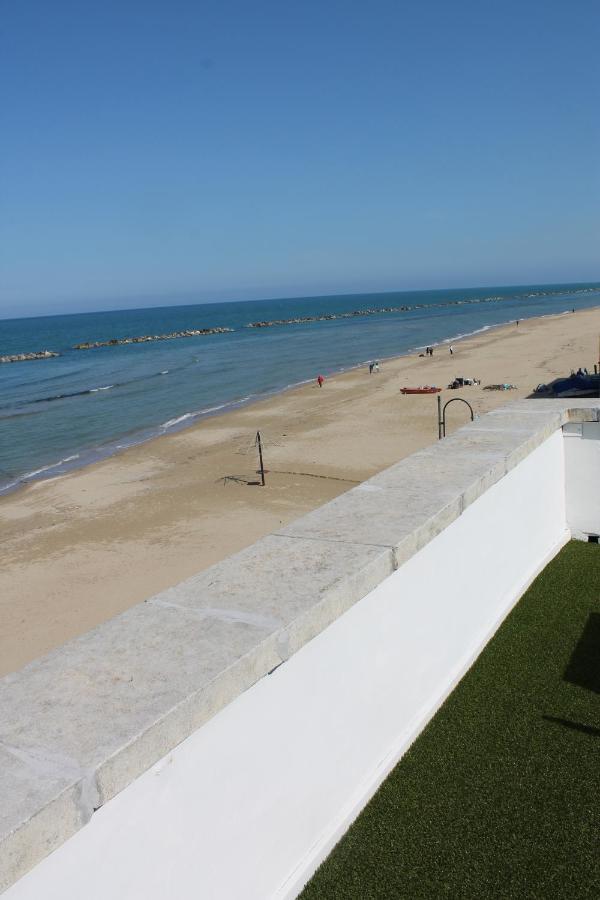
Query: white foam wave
[465, 334]
[106, 387]
[39, 471]
[196, 414]
[176, 421]
[5, 488]
[295, 384]
[55, 465]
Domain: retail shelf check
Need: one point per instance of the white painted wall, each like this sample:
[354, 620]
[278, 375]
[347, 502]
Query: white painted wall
[582, 476]
[247, 806]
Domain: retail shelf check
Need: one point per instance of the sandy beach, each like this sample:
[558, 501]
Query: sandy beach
[82, 548]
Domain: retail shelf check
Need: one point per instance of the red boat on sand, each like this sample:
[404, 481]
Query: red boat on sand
[426, 389]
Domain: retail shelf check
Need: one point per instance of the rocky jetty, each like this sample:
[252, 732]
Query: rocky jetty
[377, 311]
[24, 357]
[327, 317]
[145, 338]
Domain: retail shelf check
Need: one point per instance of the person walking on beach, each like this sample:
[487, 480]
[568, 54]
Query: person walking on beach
[320, 380]
[371, 366]
[451, 349]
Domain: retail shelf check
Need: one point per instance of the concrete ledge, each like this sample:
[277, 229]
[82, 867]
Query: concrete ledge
[83, 722]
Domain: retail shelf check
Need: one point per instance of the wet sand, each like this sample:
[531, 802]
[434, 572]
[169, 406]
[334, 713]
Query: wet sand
[82, 548]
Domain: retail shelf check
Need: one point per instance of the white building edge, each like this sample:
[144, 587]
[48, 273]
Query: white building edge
[217, 740]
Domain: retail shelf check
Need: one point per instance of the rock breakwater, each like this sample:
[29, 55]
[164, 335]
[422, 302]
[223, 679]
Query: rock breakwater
[145, 338]
[327, 317]
[377, 311]
[25, 357]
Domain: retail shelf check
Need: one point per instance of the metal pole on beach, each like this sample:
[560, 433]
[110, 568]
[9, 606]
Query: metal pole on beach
[260, 457]
[439, 403]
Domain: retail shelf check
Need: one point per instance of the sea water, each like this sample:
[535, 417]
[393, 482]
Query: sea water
[64, 412]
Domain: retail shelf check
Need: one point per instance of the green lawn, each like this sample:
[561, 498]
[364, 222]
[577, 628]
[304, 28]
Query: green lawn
[500, 795]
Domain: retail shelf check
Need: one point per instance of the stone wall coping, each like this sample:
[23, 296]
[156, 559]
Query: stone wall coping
[80, 724]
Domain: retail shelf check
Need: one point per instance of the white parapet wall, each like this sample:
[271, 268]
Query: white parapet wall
[582, 474]
[230, 729]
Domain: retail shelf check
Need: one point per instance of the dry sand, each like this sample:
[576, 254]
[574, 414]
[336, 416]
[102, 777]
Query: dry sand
[82, 548]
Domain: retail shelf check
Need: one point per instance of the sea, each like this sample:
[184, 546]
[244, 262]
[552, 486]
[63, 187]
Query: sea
[68, 411]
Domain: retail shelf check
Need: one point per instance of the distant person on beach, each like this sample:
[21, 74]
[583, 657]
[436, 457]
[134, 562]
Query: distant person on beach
[371, 367]
[451, 349]
[320, 380]
[376, 366]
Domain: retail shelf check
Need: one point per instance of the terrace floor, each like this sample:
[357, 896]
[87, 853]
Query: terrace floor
[500, 794]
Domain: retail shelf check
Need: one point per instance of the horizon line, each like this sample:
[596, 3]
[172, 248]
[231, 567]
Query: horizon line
[303, 297]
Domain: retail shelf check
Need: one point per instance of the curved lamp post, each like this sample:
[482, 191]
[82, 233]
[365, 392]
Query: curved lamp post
[442, 413]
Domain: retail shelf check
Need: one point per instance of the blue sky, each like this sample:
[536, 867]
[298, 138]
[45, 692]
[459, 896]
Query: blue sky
[227, 150]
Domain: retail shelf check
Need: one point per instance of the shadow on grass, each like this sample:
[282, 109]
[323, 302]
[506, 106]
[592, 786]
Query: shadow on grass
[575, 726]
[583, 670]
[584, 665]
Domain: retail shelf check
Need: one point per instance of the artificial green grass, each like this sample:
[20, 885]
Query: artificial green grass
[500, 795]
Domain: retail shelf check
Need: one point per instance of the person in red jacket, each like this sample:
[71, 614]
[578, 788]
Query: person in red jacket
[320, 380]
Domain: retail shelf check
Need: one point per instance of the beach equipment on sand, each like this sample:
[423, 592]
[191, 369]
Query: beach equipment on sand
[574, 386]
[462, 382]
[425, 389]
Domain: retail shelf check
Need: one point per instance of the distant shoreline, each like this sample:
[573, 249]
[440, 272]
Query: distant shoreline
[82, 458]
